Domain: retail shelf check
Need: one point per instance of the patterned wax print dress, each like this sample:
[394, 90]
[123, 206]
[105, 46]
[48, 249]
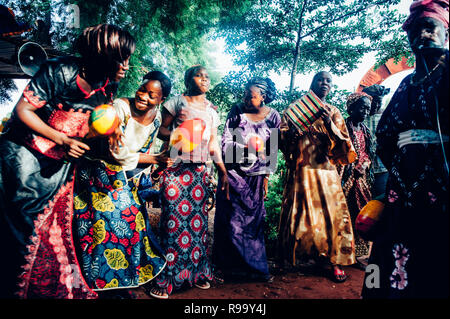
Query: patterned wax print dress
[117, 246]
[239, 246]
[184, 217]
[315, 220]
[37, 186]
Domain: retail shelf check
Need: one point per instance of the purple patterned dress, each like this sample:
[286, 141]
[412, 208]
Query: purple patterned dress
[239, 222]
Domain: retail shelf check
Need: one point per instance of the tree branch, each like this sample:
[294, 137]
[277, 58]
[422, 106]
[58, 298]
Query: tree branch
[342, 17]
[297, 47]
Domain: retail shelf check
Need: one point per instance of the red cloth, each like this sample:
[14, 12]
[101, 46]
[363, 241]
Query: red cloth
[436, 9]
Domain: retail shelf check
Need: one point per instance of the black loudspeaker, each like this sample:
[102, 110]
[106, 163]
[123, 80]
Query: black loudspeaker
[30, 57]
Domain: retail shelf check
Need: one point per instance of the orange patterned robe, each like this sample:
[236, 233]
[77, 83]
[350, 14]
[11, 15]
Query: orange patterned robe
[314, 218]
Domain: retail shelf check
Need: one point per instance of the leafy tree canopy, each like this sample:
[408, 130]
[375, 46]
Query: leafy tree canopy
[309, 35]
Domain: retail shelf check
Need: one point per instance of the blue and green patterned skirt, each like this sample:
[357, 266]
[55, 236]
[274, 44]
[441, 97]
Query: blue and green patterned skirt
[115, 241]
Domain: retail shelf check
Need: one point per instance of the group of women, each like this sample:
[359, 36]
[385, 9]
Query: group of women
[73, 220]
[73, 203]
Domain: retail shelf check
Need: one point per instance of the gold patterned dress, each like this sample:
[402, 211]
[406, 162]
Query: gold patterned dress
[314, 219]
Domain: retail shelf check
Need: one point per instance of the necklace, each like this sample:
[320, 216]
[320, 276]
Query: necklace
[428, 75]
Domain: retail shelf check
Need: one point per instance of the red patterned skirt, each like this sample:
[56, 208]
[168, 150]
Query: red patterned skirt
[184, 226]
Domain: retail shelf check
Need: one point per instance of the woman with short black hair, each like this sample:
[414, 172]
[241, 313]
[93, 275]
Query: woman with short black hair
[315, 222]
[110, 198]
[184, 215]
[40, 146]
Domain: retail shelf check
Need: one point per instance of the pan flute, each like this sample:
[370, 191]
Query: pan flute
[305, 111]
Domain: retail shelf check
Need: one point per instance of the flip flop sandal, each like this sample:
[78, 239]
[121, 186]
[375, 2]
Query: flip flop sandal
[158, 293]
[270, 279]
[204, 285]
[337, 273]
[218, 279]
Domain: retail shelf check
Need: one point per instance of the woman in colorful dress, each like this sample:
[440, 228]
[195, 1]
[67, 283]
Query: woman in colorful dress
[239, 247]
[40, 150]
[410, 250]
[184, 216]
[357, 177]
[315, 221]
[116, 244]
[141, 119]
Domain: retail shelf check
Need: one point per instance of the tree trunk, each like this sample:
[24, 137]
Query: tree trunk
[43, 36]
[297, 49]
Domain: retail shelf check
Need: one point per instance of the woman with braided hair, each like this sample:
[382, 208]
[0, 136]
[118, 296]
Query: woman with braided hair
[239, 247]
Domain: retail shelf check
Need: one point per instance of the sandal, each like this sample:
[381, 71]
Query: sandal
[158, 293]
[202, 285]
[218, 279]
[269, 278]
[339, 275]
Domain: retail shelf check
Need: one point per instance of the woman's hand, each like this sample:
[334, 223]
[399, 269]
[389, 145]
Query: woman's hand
[266, 187]
[326, 116]
[74, 147]
[163, 159]
[27, 114]
[115, 139]
[225, 185]
[288, 132]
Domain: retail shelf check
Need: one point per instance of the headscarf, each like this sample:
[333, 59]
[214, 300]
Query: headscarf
[266, 86]
[376, 90]
[436, 9]
[355, 97]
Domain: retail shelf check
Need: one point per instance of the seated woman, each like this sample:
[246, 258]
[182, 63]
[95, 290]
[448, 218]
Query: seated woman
[239, 247]
[118, 248]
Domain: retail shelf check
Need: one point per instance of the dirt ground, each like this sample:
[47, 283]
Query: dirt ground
[304, 283]
[292, 285]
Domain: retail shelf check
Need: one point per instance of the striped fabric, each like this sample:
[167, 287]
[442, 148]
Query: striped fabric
[303, 112]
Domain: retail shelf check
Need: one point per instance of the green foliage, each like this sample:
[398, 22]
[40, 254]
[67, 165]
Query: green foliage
[396, 48]
[306, 36]
[338, 98]
[273, 204]
[171, 35]
[7, 86]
